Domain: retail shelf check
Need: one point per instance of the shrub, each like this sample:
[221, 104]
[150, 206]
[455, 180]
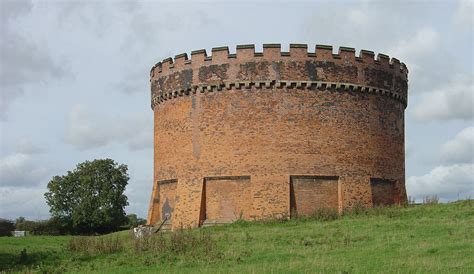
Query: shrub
[6, 227]
[155, 242]
[23, 258]
[134, 221]
[187, 243]
[358, 208]
[51, 227]
[93, 245]
[431, 200]
[324, 214]
[25, 225]
[393, 211]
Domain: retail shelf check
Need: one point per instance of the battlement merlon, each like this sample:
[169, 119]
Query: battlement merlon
[273, 52]
[173, 75]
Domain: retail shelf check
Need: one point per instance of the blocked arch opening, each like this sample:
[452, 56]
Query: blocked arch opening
[384, 191]
[309, 193]
[225, 199]
[166, 199]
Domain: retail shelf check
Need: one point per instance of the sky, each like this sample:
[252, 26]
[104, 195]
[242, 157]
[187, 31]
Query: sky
[74, 81]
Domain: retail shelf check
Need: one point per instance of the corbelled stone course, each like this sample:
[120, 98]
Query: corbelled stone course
[275, 131]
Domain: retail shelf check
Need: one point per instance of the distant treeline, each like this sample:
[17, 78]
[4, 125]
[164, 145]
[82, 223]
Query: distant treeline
[54, 226]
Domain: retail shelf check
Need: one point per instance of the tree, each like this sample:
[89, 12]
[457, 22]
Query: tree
[90, 199]
[6, 227]
[20, 219]
[134, 221]
[22, 224]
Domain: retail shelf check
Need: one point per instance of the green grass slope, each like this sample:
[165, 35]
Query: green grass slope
[416, 239]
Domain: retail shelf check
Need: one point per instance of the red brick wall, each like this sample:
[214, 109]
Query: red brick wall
[213, 117]
[227, 198]
[167, 193]
[165, 203]
[384, 192]
[310, 193]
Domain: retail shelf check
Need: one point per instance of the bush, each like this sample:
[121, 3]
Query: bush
[23, 258]
[45, 227]
[51, 227]
[431, 200]
[155, 243]
[358, 208]
[325, 214]
[134, 221]
[25, 225]
[93, 245]
[390, 211]
[188, 243]
[320, 214]
[6, 227]
[393, 211]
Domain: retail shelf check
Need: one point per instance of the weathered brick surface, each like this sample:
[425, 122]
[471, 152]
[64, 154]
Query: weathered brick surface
[167, 201]
[383, 192]
[271, 116]
[227, 198]
[310, 193]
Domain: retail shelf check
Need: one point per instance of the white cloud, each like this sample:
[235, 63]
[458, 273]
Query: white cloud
[134, 82]
[139, 193]
[448, 102]
[88, 130]
[460, 149]
[25, 146]
[416, 50]
[423, 43]
[464, 14]
[34, 207]
[22, 61]
[358, 17]
[21, 170]
[28, 202]
[393, 28]
[447, 182]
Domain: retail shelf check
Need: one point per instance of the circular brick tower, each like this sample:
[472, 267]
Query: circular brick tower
[254, 135]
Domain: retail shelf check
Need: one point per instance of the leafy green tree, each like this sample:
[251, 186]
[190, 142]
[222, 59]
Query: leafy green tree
[134, 220]
[90, 199]
[6, 227]
[22, 224]
[20, 219]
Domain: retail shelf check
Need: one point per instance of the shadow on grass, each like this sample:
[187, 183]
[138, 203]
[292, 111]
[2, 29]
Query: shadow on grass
[24, 259]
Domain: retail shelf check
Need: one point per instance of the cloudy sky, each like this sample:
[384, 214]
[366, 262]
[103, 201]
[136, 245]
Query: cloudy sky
[74, 81]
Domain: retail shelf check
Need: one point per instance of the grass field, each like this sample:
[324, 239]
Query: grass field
[416, 239]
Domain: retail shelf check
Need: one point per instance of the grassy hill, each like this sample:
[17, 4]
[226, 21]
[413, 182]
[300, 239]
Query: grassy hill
[416, 239]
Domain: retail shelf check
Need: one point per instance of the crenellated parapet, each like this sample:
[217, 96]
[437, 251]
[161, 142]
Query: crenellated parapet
[256, 135]
[273, 68]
